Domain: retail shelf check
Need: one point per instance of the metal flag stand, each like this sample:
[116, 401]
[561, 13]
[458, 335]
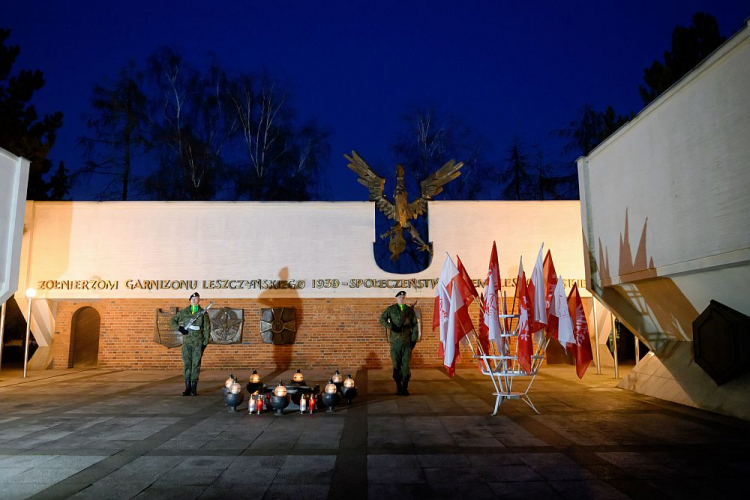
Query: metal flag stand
[504, 368]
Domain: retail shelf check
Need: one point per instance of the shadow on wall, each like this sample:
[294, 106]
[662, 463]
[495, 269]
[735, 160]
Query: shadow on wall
[654, 308]
[282, 353]
[373, 361]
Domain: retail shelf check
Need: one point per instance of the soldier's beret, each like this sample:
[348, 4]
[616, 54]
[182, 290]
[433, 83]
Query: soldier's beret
[195, 294]
[401, 294]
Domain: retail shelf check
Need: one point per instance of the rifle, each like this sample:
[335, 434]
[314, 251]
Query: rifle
[194, 319]
[417, 318]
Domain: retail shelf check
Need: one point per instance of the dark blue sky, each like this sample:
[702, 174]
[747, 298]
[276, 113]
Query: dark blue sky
[508, 69]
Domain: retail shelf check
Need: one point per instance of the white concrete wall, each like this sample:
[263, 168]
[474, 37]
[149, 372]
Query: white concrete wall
[121, 241]
[665, 204]
[14, 177]
[669, 195]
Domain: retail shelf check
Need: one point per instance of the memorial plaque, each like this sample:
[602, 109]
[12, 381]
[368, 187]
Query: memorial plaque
[163, 333]
[226, 325]
[278, 325]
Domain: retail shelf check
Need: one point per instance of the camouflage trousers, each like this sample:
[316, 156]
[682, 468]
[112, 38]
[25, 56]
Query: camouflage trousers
[400, 356]
[192, 351]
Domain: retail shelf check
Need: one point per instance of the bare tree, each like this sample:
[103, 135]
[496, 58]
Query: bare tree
[430, 140]
[282, 162]
[193, 123]
[119, 128]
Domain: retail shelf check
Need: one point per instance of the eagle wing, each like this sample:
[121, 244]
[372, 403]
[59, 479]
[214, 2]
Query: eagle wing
[374, 184]
[433, 186]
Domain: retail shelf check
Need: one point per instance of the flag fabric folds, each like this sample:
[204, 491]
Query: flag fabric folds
[550, 283]
[492, 300]
[560, 314]
[483, 337]
[537, 293]
[465, 284]
[525, 343]
[451, 313]
[550, 278]
[581, 349]
[442, 298]
[451, 338]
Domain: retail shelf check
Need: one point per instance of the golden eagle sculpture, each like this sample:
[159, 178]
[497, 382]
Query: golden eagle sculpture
[401, 211]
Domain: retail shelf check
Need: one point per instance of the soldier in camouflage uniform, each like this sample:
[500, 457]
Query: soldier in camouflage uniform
[195, 340]
[402, 322]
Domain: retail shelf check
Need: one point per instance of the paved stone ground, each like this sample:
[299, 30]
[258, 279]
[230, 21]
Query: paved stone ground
[129, 434]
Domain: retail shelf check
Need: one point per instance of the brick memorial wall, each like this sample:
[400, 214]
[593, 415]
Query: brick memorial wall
[121, 260]
[331, 333]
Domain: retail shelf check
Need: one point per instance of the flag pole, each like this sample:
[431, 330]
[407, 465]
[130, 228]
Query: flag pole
[2, 331]
[596, 339]
[614, 345]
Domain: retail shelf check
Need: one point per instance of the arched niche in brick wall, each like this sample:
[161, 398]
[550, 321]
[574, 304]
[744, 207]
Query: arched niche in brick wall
[84, 338]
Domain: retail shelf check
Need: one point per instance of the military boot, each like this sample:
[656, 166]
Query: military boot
[186, 392]
[405, 388]
[397, 379]
[399, 388]
[194, 388]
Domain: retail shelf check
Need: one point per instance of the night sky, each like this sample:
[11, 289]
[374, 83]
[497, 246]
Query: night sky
[507, 69]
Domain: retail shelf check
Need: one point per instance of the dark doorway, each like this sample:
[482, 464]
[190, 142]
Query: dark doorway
[626, 345]
[84, 339]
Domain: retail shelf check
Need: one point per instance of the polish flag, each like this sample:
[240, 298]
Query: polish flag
[550, 281]
[582, 347]
[560, 313]
[537, 292]
[452, 335]
[492, 300]
[442, 316]
[483, 337]
[525, 343]
[465, 284]
[442, 297]
[467, 293]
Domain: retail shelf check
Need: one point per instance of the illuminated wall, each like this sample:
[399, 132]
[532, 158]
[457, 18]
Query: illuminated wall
[665, 204]
[128, 259]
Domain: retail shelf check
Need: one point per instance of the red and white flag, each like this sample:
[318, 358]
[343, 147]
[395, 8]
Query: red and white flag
[442, 298]
[452, 335]
[492, 299]
[582, 347]
[465, 284]
[525, 342]
[550, 283]
[550, 278]
[537, 293]
[454, 323]
[560, 313]
[482, 336]
[467, 293]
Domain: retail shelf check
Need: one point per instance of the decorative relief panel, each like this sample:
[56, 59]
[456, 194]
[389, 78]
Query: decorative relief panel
[226, 325]
[278, 325]
[163, 333]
